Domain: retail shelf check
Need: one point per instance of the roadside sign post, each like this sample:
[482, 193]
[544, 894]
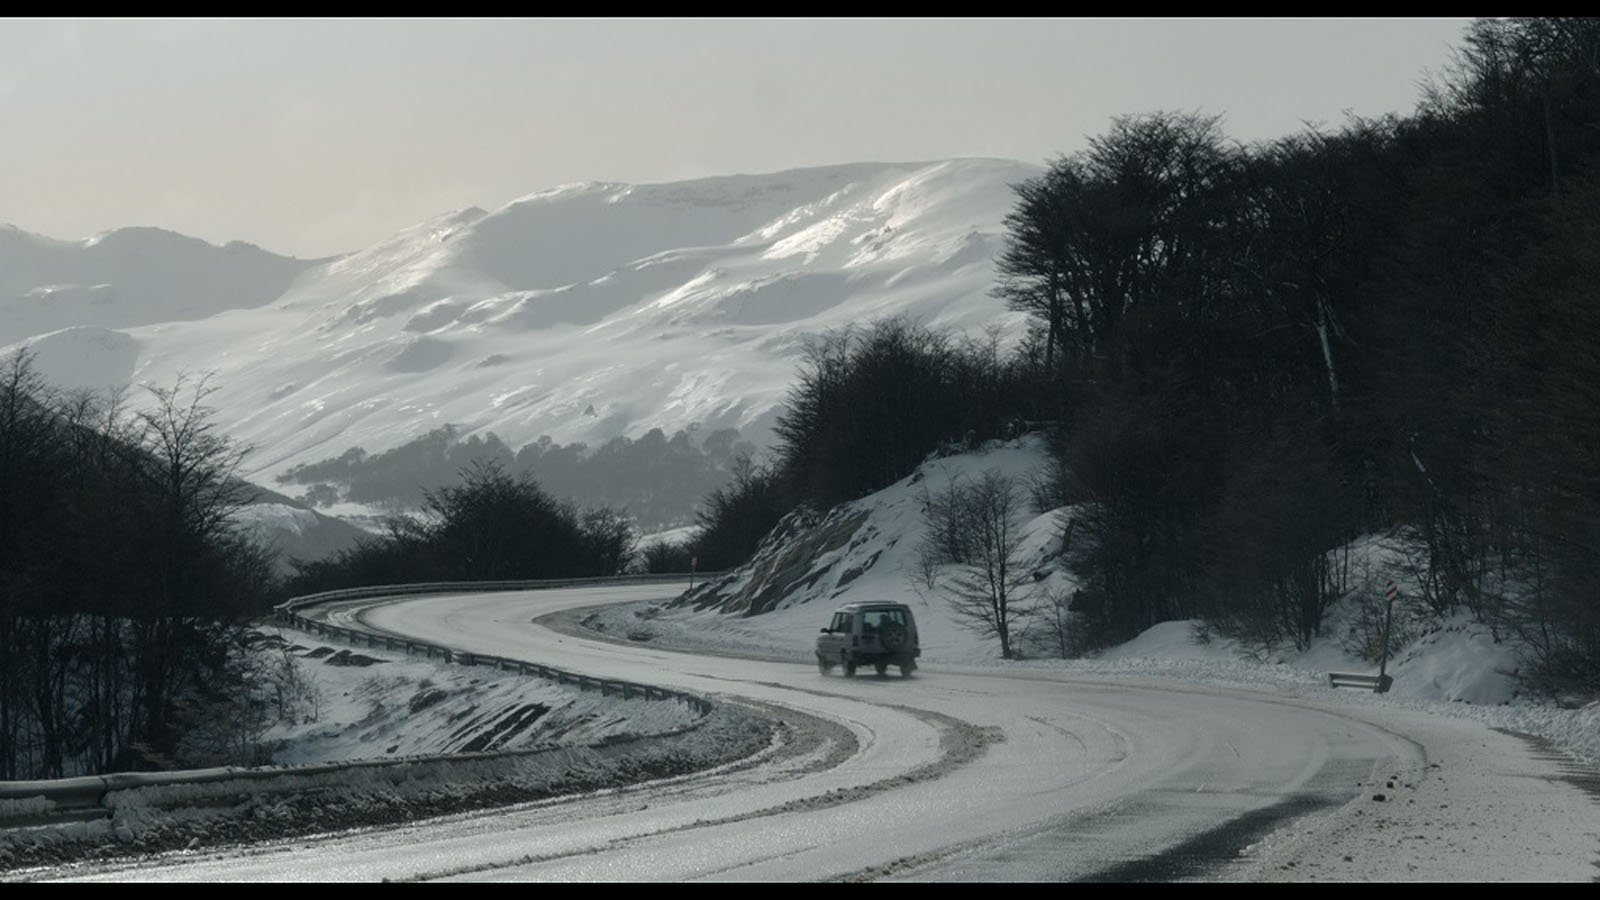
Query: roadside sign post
[1390, 592]
[1382, 682]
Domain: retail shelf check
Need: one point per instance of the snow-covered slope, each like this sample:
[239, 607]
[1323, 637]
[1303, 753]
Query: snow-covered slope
[292, 530]
[871, 550]
[584, 312]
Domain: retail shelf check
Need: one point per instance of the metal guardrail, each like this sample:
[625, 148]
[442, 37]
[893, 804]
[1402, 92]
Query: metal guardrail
[1378, 684]
[24, 803]
[445, 587]
[288, 615]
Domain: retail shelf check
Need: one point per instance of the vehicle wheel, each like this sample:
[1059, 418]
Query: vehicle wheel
[893, 636]
[849, 668]
[823, 665]
[906, 669]
[883, 668]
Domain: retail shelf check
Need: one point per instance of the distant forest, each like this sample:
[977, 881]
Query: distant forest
[656, 480]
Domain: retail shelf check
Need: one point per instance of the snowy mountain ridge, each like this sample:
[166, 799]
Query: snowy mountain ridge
[582, 312]
[129, 277]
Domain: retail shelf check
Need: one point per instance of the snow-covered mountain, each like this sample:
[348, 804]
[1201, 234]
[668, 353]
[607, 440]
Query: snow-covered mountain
[126, 278]
[584, 312]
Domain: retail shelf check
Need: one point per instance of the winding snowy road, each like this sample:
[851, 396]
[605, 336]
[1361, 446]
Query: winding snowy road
[947, 775]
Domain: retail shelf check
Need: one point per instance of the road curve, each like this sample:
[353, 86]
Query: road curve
[947, 775]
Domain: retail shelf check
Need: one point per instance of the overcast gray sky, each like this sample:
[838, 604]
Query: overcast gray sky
[314, 137]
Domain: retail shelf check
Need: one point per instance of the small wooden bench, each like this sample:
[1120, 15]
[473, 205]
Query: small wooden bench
[1378, 684]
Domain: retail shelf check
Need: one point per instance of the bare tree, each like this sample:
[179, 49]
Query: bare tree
[1057, 626]
[975, 534]
[26, 436]
[201, 572]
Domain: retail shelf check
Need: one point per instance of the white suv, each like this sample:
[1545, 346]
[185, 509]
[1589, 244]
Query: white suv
[876, 634]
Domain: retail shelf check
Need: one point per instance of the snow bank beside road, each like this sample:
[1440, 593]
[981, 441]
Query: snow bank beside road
[374, 705]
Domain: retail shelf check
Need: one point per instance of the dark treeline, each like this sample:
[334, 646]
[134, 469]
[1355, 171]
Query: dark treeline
[870, 405]
[1258, 353]
[657, 479]
[1264, 352]
[122, 579]
[491, 525]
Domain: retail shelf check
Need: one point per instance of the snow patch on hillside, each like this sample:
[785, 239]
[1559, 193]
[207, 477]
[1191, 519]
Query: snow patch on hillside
[371, 703]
